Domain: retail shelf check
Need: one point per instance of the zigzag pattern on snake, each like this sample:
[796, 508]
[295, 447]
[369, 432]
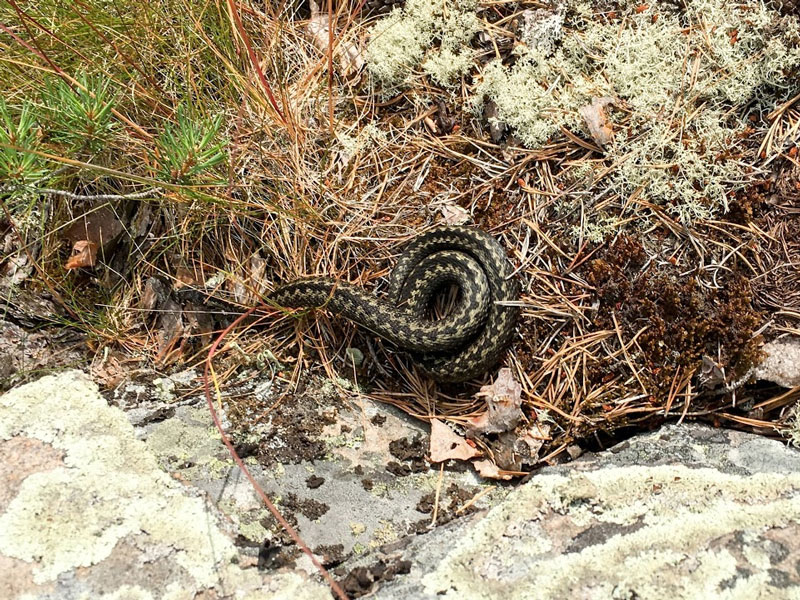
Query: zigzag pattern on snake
[465, 343]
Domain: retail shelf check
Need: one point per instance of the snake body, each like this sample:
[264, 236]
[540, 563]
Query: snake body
[465, 343]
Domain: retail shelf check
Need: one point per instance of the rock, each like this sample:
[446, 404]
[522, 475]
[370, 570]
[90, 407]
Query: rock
[684, 512]
[88, 508]
[330, 476]
[782, 362]
[85, 510]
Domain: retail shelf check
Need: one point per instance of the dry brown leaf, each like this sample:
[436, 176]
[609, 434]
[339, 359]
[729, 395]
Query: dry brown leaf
[431, 125]
[108, 372]
[446, 444]
[84, 254]
[597, 121]
[488, 469]
[185, 278]
[454, 214]
[348, 54]
[535, 437]
[249, 290]
[171, 328]
[100, 226]
[503, 399]
[154, 294]
[17, 269]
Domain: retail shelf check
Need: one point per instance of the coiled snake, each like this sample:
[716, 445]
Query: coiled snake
[465, 343]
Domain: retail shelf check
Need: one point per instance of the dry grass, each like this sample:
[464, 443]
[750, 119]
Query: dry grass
[306, 187]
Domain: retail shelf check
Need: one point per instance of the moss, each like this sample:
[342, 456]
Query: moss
[685, 319]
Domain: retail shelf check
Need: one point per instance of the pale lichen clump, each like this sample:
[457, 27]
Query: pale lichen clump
[404, 40]
[679, 74]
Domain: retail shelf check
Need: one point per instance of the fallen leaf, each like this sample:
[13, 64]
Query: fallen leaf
[597, 121]
[536, 437]
[453, 214]
[171, 328]
[185, 278]
[348, 54]
[84, 254]
[712, 374]
[431, 125]
[509, 451]
[497, 127]
[447, 444]
[100, 226]
[488, 469]
[142, 219]
[107, 371]
[503, 399]
[254, 285]
[17, 269]
[199, 322]
[154, 295]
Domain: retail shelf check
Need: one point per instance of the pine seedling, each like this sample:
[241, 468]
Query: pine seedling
[188, 148]
[19, 165]
[81, 115]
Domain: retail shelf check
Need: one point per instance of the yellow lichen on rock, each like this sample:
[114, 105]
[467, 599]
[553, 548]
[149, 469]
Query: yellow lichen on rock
[108, 497]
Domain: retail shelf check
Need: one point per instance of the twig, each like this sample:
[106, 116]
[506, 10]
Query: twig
[97, 197]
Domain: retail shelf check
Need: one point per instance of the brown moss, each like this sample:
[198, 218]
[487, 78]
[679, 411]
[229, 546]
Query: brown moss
[685, 320]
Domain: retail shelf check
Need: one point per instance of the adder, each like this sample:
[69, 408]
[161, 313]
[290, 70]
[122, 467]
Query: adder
[465, 343]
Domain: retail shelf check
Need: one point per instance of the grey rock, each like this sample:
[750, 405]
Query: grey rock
[781, 362]
[87, 512]
[88, 508]
[685, 512]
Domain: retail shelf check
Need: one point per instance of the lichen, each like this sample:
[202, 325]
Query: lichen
[178, 441]
[406, 38]
[679, 84]
[652, 557]
[110, 487]
[385, 533]
[677, 70]
[793, 426]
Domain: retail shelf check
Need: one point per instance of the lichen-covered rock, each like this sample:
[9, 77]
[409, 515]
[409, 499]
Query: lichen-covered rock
[686, 512]
[87, 512]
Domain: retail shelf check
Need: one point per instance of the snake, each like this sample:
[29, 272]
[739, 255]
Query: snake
[466, 342]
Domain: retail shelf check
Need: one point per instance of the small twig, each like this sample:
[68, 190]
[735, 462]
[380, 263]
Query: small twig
[475, 498]
[71, 196]
[438, 492]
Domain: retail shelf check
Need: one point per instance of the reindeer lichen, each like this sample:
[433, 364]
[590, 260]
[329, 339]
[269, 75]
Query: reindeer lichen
[679, 75]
